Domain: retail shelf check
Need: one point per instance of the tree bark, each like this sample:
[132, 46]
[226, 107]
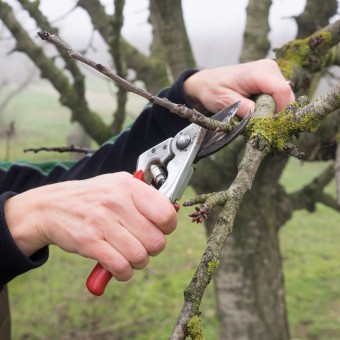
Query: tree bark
[315, 16]
[249, 281]
[151, 70]
[255, 39]
[170, 39]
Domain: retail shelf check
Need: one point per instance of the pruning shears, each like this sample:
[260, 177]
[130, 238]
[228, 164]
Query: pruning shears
[169, 166]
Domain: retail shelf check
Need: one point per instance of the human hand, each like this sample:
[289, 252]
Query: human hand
[115, 219]
[220, 87]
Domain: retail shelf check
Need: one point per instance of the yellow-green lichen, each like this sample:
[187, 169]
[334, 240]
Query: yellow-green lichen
[299, 52]
[277, 130]
[213, 265]
[195, 329]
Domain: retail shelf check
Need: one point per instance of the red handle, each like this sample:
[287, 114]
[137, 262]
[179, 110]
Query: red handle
[100, 277]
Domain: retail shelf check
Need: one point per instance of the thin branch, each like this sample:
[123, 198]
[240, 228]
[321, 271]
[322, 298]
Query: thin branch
[329, 201]
[17, 90]
[321, 106]
[71, 148]
[191, 114]
[312, 193]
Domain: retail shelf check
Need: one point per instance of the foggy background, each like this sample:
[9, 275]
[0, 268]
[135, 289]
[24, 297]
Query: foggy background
[215, 29]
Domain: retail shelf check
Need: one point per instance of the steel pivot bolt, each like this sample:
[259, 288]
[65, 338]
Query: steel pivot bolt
[183, 141]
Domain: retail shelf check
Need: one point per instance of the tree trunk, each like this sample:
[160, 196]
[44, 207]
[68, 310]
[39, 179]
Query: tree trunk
[170, 39]
[249, 281]
[315, 16]
[255, 40]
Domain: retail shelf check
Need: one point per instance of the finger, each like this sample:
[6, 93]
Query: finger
[127, 245]
[275, 86]
[111, 259]
[283, 95]
[230, 97]
[155, 207]
[148, 234]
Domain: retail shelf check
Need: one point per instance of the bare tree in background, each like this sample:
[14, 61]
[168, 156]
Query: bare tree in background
[249, 282]
[8, 130]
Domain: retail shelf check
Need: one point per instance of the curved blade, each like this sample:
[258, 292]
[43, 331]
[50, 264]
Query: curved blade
[215, 141]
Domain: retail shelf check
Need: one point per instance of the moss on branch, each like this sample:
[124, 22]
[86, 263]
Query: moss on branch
[276, 131]
[195, 328]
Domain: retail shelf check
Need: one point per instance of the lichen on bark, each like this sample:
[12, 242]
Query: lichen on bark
[195, 328]
[279, 129]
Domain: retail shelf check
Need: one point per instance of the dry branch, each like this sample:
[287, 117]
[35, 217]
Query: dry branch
[61, 149]
[313, 192]
[191, 114]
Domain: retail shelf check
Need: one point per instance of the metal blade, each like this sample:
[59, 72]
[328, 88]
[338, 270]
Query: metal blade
[224, 115]
[215, 141]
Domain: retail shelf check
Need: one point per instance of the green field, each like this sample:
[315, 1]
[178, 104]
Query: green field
[53, 303]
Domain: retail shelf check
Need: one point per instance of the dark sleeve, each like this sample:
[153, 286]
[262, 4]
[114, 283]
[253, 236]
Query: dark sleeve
[153, 125]
[12, 261]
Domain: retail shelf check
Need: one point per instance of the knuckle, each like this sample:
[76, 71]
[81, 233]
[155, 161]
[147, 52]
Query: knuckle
[139, 258]
[122, 270]
[124, 276]
[167, 218]
[157, 244]
[84, 237]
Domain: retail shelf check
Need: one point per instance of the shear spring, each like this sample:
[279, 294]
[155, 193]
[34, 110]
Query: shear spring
[158, 175]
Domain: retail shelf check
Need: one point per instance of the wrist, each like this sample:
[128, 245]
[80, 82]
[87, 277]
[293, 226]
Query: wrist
[22, 222]
[191, 90]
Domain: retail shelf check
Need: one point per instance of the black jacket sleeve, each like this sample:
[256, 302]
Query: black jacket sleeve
[153, 125]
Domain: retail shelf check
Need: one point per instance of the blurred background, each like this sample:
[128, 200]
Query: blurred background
[150, 43]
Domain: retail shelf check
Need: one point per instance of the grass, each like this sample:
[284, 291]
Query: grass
[311, 252]
[53, 303]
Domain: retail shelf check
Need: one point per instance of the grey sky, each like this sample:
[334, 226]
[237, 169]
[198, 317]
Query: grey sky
[215, 27]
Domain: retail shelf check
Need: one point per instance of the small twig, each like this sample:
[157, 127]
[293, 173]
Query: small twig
[208, 203]
[71, 148]
[192, 115]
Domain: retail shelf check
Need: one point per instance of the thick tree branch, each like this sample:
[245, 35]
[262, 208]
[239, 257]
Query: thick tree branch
[265, 132]
[224, 227]
[312, 193]
[79, 80]
[233, 196]
[118, 57]
[300, 58]
[93, 124]
[151, 70]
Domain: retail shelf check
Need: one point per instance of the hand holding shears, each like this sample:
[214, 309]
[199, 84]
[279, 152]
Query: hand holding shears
[169, 166]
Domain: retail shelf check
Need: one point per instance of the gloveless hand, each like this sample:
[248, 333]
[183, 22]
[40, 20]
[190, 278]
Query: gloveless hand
[220, 87]
[115, 219]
